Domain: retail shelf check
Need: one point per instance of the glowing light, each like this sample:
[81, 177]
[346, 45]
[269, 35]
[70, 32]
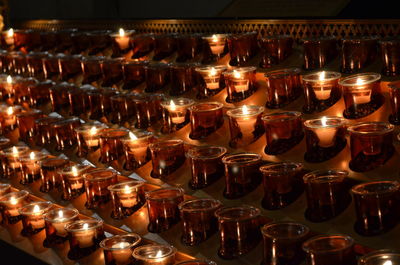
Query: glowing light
[60, 214]
[245, 110]
[172, 105]
[213, 72]
[9, 79]
[214, 38]
[132, 136]
[36, 209]
[13, 201]
[15, 151]
[236, 74]
[322, 76]
[93, 131]
[359, 81]
[10, 33]
[121, 32]
[10, 110]
[127, 190]
[388, 262]
[32, 156]
[159, 254]
[74, 171]
[86, 226]
[323, 121]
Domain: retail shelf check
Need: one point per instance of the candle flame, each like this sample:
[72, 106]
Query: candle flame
[85, 226]
[214, 38]
[122, 245]
[13, 201]
[15, 151]
[323, 121]
[322, 76]
[74, 171]
[172, 105]
[159, 254]
[245, 110]
[10, 110]
[93, 130]
[9, 79]
[121, 32]
[359, 81]
[236, 74]
[32, 155]
[132, 136]
[10, 33]
[388, 262]
[60, 214]
[36, 209]
[127, 189]
[213, 72]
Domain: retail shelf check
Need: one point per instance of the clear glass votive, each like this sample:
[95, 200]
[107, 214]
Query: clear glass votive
[136, 147]
[157, 76]
[162, 205]
[10, 160]
[127, 198]
[88, 137]
[240, 83]
[111, 147]
[358, 52]
[50, 173]
[72, 180]
[239, 230]
[276, 49]
[371, 145]
[319, 51]
[282, 184]
[242, 174]
[245, 125]
[11, 203]
[205, 118]
[33, 217]
[211, 80]
[118, 249]
[96, 184]
[30, 166]
[380, 257]
[327, 193]
[154, 255]
[64, 132]
[198, 220]
[56, 220]
[175, 113]
[283, 243]
[376, 205]
[283, 131]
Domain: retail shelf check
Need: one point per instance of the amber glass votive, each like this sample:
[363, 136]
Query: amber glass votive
[88, 137]
[134, 73]
[8, 118]
[112, 72]
[282, 184]
[111, 147]
[84, 237]
[91, 67]
[121, 43]
[4, 144]
[99, 42]
[358, 52]
[33, 217]
[59, 96]
[154, 255]
[183, 78]
[123, 108]
[30, 166]
[283, 131]
[390, 48]
[198, 220]
[245, 125]
[175, 114]
[162, 205]
[26, 123]
[118, 249]
[64, 132]
[394, 93]
[321, 90]
[51, 67]
[76, 102]
[380, 257]
[330, 250]
[240, 83]
[43, 130]
[376, 205]
[142, 45]
[56, 220]
[96, 185]
[136, 147]
[211, 80]
[189, 47]
[39, 93]
[275, 49]
[148, 109]
[4, 188]
[283, 87]
[166, 156]
[242, 47]
[10, 160]
[319, 51]
[371, 145]
[206, 165]
[127, 198]
[239, 230]
[157, 76]
[72, 180]
[100, 102]
[64, 40]
[70, 67]
[325, 138]
[215, 45]
[205, 118]
[283, 243]
[164, 46]
[327, 193]
[35, 64]
[242, 174]
[11, 202]
[50, 173]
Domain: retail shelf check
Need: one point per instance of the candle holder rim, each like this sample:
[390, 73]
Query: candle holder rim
[21, 149]
[379, 255]
[121, 186]
[251, 213]
[136, 237]
[68, 170]
[145, 135]
[242, 69]
[47, 120]
[184, 65]
[217, 106]
[29, 112]
[128, 33]
[39, 156]
[17, 195]
[282, 72]
[325, 175]
[63, 162]
[63, 56]
[47, 217]
[206, 68]
[3, 109]
[136, 62]
[94, 176]
[309, 77]
[92, 58]
[253, 110]
[309, 123]
[286, 166]
[348, 239]
[187, 102]
[249, 158]
[375, 77]
[384, 126]
[4, 140]
[107, 131]
[171, 251]
[87, 126]
[4, 186]
[197, 262]
[155, 65]
[191, 152]
[113, 60]
[214, 205]
[179, 192]
[64, 122]
[28, 208]
[265, 230]
[169, 143]
[392, 186]
[290, 115]
[95, 223]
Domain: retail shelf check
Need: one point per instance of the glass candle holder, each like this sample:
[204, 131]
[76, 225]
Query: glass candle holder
[118, 249]
[183, 78]
[164, 46]
[376, 206]
[325, 138]
[39, 93]
[56, 220]
[81, 42]
[242, 174]
[197, 262]
[136, 147]
[134, 73]
[175, 114]
[166, 156]
[127, 198]
[148, 109]
[4, 144]
[91, 68]
[84, 237]
[11, 202]
[30, 166]
[50, 173]
[206, 165]
[43, 130]
[275, 49]
[358, 52]
[239, 230]
[189, 47]
[35, 64]
[64, 40]
[394, 94]
[283, 243]
[198, 220]
[240, 83]
[8, 118]
[4, 189]
[162, 205]
[111, 147]
[64, 132]
[10, 160]
[123, 108]
[327, 193]
[59, 96]
[88, 137]
[33, 217]
[100, 102]
[319, 51]
[121, 43]
[143, 45]
[7, 38]
[242, 47]
[51, 67]
[70, 67]
[99, 42]
[48, 40]
[72, 180]
[371, 145]
[390, 47]
[384, 257]
[283, 87]
[283, 130]
[245, 125]
[21, 89]
[76, 102]
[216, 44]
[154, 255]
[26, 40]
[282, 184]
[157, 76]
[7, 89]
[362, 95]
[26, 123]
[205, 118]
[211, 80]
[112, 72]
[96, 185]
[330, 250]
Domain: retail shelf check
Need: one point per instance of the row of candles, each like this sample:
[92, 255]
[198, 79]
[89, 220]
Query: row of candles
[356, 52]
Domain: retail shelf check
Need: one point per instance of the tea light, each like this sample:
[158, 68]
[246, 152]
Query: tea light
[56, 220]
[167, 156]
[176, 114]
[127, 197]
[49, 173]
[118, 249]
[111, 147]
[11, 203]
[88, 137]
[96, 184]
[33, 217]
[154, 255]
[30, 166]
[381, 257]
[10, 160]
[216, 43]
[245, 125]
[72, 180]
[212, 80]
[8, 118]
[8, 37]
[122, 41]
[205, 118]
[136, 146]
[240, 83]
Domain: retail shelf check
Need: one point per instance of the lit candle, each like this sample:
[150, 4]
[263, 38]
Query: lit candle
[241, 84]
[216, 43]
[10, 117]
[85, 236]
[75, 185]
[322, 92]
[326, 133]
[9, 37]
[33, 214]
[12, 202]
[126, 198]
[213, 80]
[37, 223]
[121, 252]
[8, 87]
[92, 141]
[13, 158]
[122, 39]
[177, 109]
[361, 94]
[118, 249]
[59, 218]
[154, 255]
[13, 209]
[59, 223]
[140, 150]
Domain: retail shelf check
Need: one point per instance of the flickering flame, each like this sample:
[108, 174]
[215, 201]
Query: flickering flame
[15, 151]
[85, 226]
[9, 79]
[213, 72]
[322, 76]
[132, 136]
[214, 38]
[236, 74]
[172, 105]
[32, 156]
[127, 190]
[121, 32]
[10, 33]
[245, 110]
[93, 131]
[36, 209]
[159, 254]
[388, 262]
[10, 110]
[60, 214]
[13, 201]
[74, 171]
[359, 81]
[323, 121]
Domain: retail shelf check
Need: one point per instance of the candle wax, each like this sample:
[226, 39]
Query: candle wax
[128, 200]
[217, 48]
[322, 92]
[59, 227]
[123, 42]
[361, 96]
[326, 136]
[77, 185]
[246, 126]
[122, 253]
[84, 238]
[37, 222]
[241, 85]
